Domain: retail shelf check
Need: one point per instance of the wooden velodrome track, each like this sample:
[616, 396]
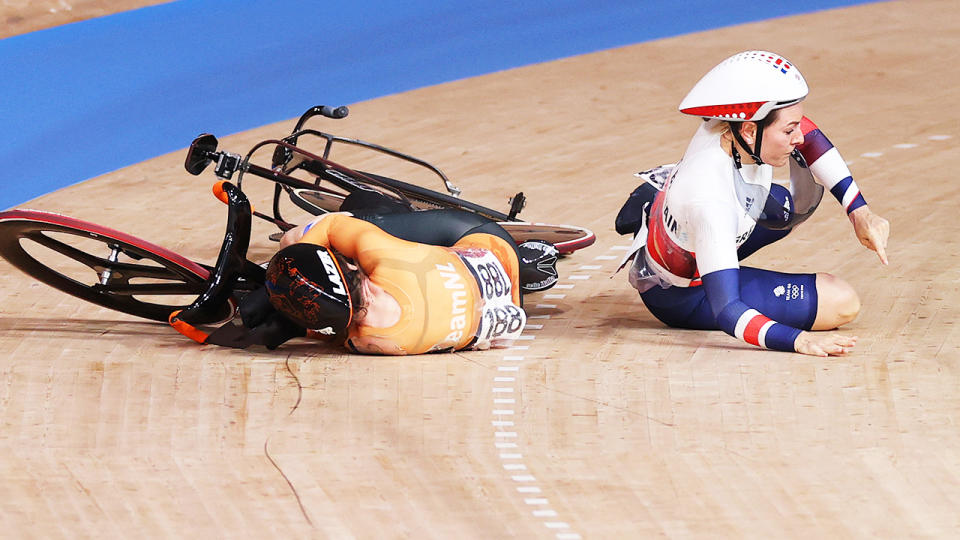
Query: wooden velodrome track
[605, 424]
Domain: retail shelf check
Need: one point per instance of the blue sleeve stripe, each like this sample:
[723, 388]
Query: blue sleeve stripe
[841, 188]
[848, 194]
[781, 337]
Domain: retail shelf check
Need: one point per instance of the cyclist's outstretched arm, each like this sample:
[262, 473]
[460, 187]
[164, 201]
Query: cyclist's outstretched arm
[830, 170]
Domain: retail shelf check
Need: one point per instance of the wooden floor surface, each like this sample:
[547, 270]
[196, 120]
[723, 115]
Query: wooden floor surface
[23, 16]
[602, 423]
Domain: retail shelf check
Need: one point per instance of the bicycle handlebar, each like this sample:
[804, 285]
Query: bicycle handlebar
[281, 156]
[323, 110]
[334, 112]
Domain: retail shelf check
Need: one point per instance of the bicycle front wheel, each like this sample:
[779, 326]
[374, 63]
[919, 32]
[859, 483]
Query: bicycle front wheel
[103, 266]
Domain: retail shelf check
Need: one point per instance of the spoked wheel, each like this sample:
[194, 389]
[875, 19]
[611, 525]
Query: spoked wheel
[101, 265]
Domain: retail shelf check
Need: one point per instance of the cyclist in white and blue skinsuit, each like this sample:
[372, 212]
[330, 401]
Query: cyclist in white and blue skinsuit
[718, 205]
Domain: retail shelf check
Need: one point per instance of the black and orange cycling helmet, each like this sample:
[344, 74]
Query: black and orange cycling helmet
[311, 285]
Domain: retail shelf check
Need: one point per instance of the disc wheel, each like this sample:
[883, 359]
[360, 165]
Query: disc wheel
[103, 266]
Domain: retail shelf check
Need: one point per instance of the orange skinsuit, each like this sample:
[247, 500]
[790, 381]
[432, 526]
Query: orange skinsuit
[427, 281]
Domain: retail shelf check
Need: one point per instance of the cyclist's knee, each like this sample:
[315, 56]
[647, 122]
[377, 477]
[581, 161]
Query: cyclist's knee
[837, 302]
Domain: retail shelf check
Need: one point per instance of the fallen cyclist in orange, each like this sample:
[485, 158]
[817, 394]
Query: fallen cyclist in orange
[453, 281]
[347, 278]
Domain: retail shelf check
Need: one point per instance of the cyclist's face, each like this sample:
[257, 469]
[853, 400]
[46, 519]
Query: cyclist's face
[782, 136]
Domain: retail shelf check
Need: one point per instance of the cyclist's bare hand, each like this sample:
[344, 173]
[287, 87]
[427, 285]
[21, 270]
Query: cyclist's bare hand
[820, 344]
[872, 231]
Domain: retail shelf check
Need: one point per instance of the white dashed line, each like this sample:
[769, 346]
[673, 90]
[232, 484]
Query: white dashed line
[503, 385]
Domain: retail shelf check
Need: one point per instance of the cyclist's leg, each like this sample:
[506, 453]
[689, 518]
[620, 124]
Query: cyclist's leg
[633, 212]
[363, 202]
[791, 299]
[444, 227]
[838, 302]
[440, 227]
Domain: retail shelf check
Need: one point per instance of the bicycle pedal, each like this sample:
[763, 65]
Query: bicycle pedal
[275, 237]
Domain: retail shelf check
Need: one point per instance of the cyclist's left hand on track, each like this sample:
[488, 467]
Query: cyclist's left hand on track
[872, 231]
[823, 344]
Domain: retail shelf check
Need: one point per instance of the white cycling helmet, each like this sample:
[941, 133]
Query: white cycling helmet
[746, 87]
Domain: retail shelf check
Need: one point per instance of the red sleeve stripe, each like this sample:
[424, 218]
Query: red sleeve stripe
[752, 327]
[850, 197]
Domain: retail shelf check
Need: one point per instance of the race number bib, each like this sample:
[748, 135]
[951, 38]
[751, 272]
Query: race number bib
[500, 318]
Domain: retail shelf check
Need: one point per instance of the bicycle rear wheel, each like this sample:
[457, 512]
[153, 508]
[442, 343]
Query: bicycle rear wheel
[103, 266]
[566, 238]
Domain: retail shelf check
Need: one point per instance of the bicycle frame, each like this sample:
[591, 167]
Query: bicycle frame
[289, 158]
[331, 139]
[166, 276]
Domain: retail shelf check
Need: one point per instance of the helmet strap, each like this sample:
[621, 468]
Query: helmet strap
[753, 152]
